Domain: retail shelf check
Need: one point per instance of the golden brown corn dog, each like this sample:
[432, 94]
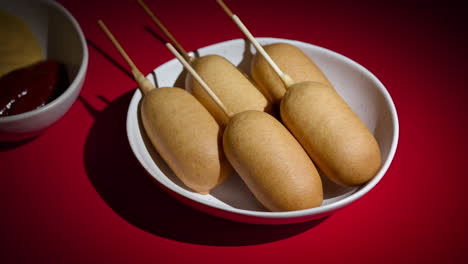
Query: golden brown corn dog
[271, 162]
[332, 134]
[292, 61]
[181, 130]
[231, 86]
[186, 136]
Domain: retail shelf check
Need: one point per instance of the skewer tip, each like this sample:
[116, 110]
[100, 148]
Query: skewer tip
[164, 29]
[142, 3]
[225, 8]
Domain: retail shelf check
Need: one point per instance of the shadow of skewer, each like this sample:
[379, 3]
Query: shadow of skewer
[156, 35]
[109, 58]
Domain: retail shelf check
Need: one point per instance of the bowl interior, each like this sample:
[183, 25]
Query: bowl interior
[53, 28]
[361, 90]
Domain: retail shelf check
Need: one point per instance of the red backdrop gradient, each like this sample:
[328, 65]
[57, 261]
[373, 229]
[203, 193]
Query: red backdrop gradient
[76, 194]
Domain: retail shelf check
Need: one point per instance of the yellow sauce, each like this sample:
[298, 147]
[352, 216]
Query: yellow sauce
[18, 45]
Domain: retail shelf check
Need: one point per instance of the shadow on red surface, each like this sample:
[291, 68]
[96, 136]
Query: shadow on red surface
[5, 146]
[133, 195]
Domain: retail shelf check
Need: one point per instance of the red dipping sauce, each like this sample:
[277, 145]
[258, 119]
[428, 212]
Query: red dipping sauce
[28, 88]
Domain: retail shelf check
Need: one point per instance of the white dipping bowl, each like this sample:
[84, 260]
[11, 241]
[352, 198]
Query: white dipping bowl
[232, 200]
[61, 39]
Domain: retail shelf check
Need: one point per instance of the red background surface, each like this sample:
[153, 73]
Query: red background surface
[76, 194]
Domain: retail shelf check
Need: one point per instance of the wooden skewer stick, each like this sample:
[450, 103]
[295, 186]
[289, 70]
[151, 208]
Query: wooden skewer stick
[200, 80]
[286, 79]
[164, 29]
[143, 82]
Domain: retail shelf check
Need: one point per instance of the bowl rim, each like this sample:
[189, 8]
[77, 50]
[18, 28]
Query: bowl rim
[76, 81]
[321, 210]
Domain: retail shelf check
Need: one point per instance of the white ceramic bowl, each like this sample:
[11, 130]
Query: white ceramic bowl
[232, 200]
[62, 39]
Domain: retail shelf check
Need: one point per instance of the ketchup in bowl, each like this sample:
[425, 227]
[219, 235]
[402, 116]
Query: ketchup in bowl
[31, 87]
